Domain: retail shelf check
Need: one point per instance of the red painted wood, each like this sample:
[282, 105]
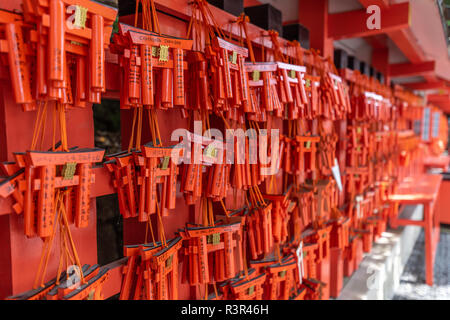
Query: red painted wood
[113, 284]
[80, 132]
[250, 3]
[411, 69]
[342, 155]
[314, 15]
[421, 189]
[323, 273]
[443, 203]
[11, 5]
[181, 10]
[336, 272]
[440, 162]
[5, 258]
[394, 18]
[408, 45]
[383, 4]
[426, 85]
[359, 252]
[378, 41]
[438, 98]
[169, 120]
[349, 267]
[6, 206]
[102, 187]
[405, 41]
[380, 61]
[25, 253]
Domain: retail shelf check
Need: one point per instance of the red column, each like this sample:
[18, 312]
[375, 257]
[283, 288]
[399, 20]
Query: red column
[380, 61]
[314, 16]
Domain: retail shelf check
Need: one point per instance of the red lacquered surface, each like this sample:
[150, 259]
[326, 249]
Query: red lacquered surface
[421, 189]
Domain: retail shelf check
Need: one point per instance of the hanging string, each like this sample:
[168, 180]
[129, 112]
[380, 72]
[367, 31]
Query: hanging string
[149, 226]
[150, 22]
[224, 209]
[242, 21]
[162, 234]
[42, 108]
[64, 231]
[61, 231]
[278, 54]
[130, 145]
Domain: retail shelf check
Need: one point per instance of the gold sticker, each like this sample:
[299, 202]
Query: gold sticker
[165, 163]
[211, 152]
[256, 75]
[155, 51]
[76, 43]
[251, 290]
[308, 144]
[68, 170]
[213, 238]
[234, 57]
[163, 53]
[282, 274]
[169, 261]
[80, 17]
[292, 74]
[308, 82]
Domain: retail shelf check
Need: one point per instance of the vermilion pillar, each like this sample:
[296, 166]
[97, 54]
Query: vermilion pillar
[380, 61]
[314, 15]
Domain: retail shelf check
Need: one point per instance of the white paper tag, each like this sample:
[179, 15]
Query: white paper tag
[337, 174]
[358, 200]
[300, 267]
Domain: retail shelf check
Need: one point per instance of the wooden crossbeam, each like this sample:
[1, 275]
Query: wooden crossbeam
[396, 17]
[411, 69]
[438, 98]
[383, 4]
[426, 85]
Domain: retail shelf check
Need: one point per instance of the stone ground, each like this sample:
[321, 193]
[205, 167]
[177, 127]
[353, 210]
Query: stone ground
[412, 282]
